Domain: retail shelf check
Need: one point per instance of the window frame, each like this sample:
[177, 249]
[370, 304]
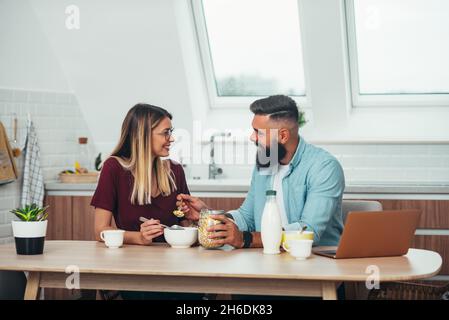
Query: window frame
[380, 100]
[235, 102]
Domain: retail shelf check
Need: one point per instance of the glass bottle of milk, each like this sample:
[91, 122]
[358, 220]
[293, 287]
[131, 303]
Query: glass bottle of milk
[271, 225]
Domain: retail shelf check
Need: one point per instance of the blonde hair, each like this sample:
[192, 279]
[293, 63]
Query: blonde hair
[134, 153]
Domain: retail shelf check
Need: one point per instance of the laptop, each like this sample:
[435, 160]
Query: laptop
[375, 234]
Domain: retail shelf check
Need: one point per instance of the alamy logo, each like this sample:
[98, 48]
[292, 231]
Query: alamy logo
[373, 280]
[373, 18]
[73, 280]
[72, 22]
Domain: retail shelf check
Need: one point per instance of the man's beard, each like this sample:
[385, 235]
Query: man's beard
[265, 157]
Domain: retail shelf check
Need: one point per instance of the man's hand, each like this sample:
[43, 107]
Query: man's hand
[228, 231]
[191, 206]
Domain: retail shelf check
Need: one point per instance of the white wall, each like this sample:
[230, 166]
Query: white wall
[33, 82]
[124, 52]
[26, 58]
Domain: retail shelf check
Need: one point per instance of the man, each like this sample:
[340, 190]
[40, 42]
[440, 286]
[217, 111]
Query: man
[309, 182]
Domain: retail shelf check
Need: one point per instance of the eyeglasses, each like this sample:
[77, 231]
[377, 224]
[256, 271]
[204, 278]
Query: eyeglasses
[166, 133]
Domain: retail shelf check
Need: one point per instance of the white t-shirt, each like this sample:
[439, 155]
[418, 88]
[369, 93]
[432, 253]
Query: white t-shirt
[277, 185]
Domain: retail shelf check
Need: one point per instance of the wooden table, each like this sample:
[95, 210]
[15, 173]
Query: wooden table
[245, 271]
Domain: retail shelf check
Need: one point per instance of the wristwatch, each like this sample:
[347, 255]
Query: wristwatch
[229, 216]
[247, 239]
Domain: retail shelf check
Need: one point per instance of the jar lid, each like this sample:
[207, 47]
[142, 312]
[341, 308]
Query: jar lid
[270, 192]
[208, 211]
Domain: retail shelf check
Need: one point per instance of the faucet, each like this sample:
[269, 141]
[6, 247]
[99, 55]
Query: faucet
[214, 171]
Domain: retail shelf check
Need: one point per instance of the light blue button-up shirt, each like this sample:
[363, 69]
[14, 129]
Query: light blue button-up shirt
[312, 191]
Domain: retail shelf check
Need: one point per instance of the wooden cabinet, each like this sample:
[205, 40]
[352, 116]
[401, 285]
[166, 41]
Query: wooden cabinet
[60, 218]
[83, 219]
[435, 215]
[223, 203]
[70, 218]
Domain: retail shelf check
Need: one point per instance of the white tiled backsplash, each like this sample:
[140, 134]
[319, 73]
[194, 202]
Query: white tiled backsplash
[368, 163]
[58, 122]
[394, 163]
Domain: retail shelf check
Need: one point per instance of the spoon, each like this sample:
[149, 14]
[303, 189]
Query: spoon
[303, 229]
[173, 227]
[15, 150]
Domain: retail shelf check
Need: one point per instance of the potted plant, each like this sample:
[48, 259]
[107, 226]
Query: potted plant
[29, 232]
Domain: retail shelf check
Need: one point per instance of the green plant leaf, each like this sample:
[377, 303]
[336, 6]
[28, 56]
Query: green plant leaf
[21, 216]
[31, 213]
[302, 119]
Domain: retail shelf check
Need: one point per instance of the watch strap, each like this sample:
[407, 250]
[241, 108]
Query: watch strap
[247, 239]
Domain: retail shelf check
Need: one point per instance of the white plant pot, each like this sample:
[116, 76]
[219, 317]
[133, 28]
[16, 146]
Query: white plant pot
[29, 236]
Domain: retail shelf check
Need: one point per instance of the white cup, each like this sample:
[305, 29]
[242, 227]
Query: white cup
[113, 239]
[299, 249]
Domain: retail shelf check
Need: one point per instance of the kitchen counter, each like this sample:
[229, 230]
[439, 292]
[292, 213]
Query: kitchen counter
[239, 187]
[224, 185]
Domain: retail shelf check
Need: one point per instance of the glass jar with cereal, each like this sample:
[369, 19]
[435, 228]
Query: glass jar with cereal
[205, 222]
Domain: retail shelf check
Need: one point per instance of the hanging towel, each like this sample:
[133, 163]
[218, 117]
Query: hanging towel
[8, 170]
[33, 180]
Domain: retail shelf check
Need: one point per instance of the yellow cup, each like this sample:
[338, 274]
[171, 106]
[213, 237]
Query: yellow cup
[295, 235]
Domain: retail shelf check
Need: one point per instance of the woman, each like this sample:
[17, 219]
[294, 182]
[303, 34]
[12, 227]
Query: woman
[135, 182]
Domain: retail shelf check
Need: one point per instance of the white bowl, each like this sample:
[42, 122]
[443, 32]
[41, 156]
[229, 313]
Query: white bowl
[181, 238]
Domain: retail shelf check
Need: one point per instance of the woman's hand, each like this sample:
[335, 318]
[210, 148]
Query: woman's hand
[191, 206]
[149, 230]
